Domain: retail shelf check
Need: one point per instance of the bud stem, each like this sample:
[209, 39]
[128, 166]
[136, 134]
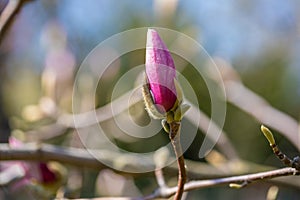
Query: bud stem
[174, 135]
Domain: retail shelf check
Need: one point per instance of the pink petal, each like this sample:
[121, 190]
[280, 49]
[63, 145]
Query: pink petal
[14, 142]
[160, 70]
[47, 176]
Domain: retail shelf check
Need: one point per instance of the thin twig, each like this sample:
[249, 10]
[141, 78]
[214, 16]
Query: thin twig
[175, 140]
[243, 180]
[84, 158]
[250, 178]
[103, 113]
[240, 96]
[8, 12]
[216, 133]
[45, 152]
[160, 178]
[120, 104]
[255, 105]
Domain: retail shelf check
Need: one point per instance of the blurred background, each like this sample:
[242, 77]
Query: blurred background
[45, 42]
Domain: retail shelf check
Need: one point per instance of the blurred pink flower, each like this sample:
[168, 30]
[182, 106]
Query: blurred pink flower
[160, 71]
[26, 172]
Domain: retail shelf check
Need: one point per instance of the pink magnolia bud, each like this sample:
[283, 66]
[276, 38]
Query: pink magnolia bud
[160, 73]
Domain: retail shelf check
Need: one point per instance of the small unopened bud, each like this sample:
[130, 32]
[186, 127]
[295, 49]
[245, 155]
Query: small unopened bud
[268, 134]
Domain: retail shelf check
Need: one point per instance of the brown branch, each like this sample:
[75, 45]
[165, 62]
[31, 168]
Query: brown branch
[120, 104]
[45, 152]
[8, 12]
[102, 114]
[82, 158]
[242, 180]
[250, 178]
[175, 140]
[216, 133]
[160, 178]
